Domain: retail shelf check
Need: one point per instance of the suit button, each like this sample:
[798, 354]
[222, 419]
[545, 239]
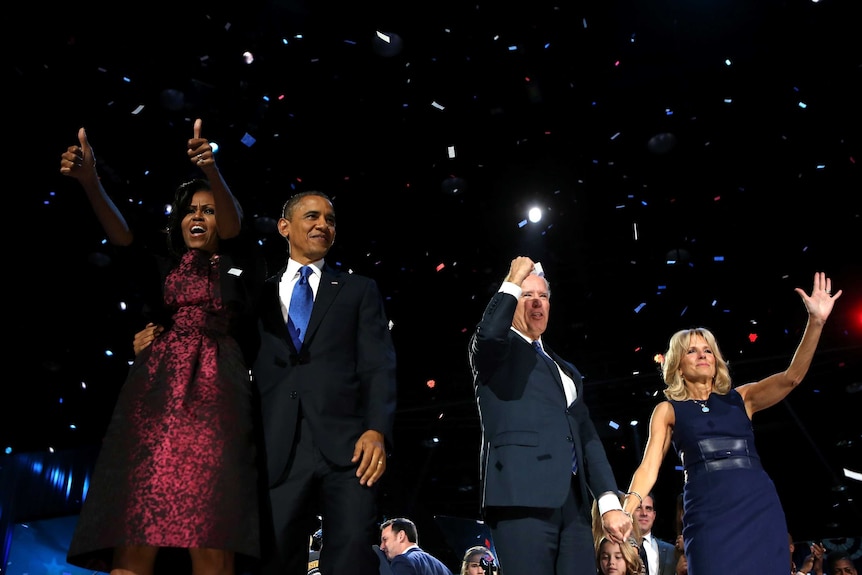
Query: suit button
[293, 395]
[569, 439]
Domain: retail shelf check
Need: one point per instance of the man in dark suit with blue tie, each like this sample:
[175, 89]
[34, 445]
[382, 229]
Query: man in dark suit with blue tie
[399, 541]
[328, 392]
[542, 460]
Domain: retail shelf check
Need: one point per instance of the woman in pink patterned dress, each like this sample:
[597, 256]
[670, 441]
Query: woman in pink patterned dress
[177, 467]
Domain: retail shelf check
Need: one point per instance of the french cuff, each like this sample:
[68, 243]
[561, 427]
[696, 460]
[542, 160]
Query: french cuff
[609, 502]
[511, 289]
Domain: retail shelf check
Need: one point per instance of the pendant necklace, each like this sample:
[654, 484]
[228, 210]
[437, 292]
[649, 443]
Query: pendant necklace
[703, 407]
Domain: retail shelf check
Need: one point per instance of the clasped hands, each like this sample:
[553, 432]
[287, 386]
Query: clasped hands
[617, 525]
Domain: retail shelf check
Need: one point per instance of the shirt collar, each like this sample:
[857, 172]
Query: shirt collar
[526, 337]
[293, 268]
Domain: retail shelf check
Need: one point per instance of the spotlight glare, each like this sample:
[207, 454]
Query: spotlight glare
[535, 215]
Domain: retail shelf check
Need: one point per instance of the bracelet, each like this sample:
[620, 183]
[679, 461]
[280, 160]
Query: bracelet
[636, 494]
[629, 515]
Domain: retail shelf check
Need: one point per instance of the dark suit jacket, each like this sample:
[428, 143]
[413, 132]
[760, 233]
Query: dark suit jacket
[415, 561]
[527, 431]
[344, 377]
[666, 558]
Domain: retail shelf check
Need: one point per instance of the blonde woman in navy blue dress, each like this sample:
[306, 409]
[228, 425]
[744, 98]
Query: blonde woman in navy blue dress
[733, 521]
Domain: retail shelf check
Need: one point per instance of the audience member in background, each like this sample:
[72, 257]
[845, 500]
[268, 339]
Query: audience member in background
[626, 558]
[399, 541]
[679, 545]
[682, 565]
[734, 521]
[479, 560]
[177, 467]
[678, 519]
[813, 562]
[793, 569]
[542, 460]
[661, 559]
[840, 563]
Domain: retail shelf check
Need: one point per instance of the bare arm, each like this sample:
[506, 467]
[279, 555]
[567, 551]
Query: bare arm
[769, 391]
[658, 443]
[227, 208]
[79, 162]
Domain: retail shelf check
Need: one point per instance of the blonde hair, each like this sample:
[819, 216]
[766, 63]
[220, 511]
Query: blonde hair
[679, 344]
[476, 551]
[631, 556]
[630, 550]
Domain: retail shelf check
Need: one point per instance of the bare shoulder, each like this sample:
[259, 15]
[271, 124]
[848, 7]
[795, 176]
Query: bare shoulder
[663, 413]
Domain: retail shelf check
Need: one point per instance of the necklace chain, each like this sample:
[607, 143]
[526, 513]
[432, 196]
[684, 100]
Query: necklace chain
[702, 403]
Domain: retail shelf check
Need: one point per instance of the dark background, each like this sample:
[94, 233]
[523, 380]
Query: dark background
[694, 163]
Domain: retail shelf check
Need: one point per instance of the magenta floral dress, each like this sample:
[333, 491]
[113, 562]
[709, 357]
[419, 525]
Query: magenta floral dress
[178, 464]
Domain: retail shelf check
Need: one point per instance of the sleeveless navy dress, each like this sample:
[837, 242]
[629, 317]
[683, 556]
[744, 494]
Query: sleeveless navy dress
[733, 520]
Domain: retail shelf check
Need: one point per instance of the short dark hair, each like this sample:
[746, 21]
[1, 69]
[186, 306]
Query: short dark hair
[402, 524]
[290, 204]
[836, 556]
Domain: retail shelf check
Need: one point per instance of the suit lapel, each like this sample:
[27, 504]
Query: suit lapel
[569, 370]
[331, 282]
[552, 366]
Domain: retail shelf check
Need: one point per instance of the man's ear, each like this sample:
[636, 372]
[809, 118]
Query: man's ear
[283, 226]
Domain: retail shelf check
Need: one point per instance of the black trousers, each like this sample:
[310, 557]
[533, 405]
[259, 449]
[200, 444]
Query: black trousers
[314, 486]
[531, 540]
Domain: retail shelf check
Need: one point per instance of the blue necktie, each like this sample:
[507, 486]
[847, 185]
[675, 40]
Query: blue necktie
[301, 303]
[538, 347]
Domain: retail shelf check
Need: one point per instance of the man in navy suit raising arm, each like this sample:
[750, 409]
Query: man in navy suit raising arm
[542, 460]
[399, 540]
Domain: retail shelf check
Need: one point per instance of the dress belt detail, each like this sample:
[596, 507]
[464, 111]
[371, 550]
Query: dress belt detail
[718, 454]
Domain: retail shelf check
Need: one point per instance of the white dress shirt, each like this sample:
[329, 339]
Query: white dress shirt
[290, 277]
[651, 548]
[607, 501]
